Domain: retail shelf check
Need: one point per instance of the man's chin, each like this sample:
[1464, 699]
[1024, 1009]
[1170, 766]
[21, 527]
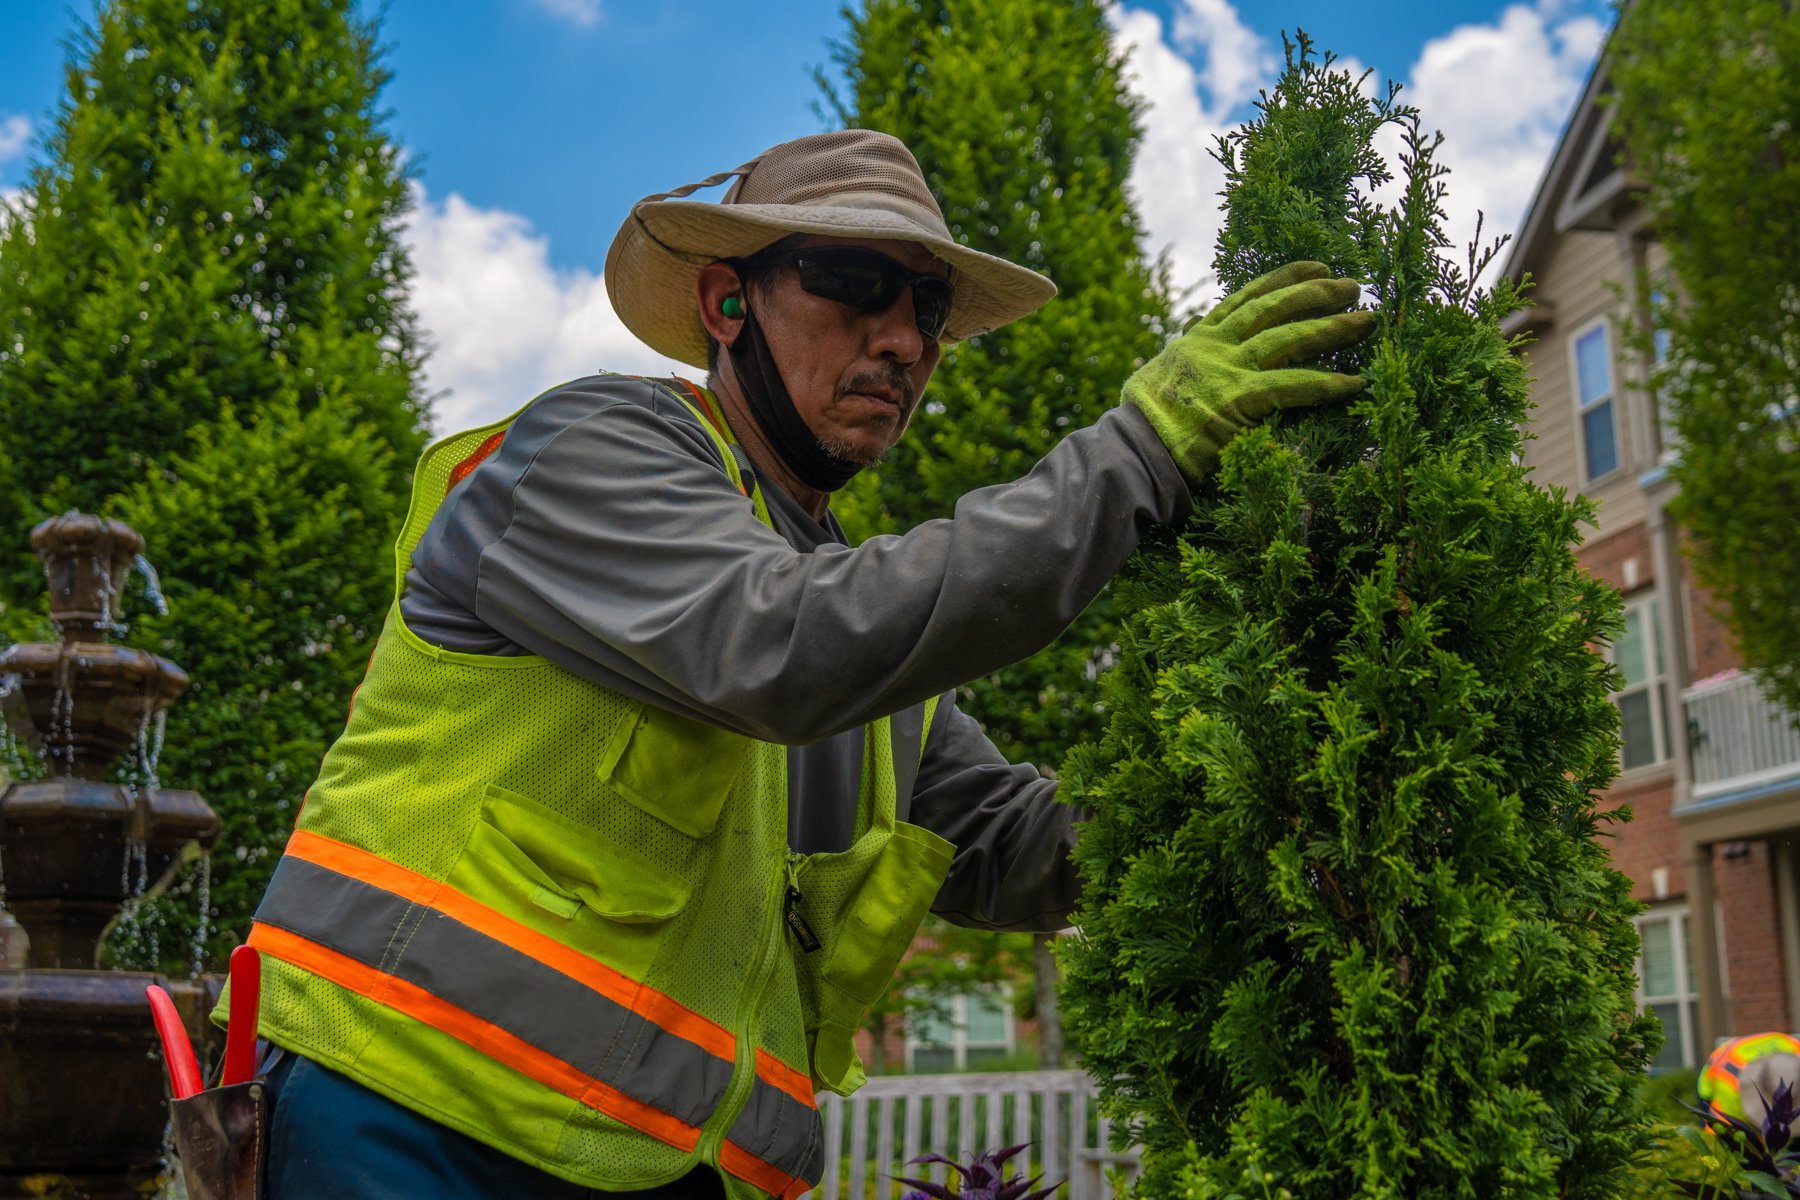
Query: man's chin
[870, 448]
[856, 453]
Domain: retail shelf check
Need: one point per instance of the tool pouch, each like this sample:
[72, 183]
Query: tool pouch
[221, 1134]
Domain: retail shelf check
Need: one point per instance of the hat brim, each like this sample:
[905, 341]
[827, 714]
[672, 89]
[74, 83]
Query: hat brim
[657, 256]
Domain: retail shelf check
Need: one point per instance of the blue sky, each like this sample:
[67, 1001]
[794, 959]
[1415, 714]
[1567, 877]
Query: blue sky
[536, 123]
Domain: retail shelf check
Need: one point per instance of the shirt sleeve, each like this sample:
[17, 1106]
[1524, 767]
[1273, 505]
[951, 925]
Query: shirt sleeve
[606, 535]
[1012, 869]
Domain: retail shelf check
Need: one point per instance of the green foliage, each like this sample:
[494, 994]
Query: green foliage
[1705, 97]
[203, 332]
[1351, 929]
[1669, 1096]
[1028, 153]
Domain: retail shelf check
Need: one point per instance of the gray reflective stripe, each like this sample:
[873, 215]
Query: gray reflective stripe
[906, 730]
[782, 1132]
[537, 1003]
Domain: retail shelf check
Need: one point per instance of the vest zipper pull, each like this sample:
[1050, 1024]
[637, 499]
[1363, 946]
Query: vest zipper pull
[792, 916]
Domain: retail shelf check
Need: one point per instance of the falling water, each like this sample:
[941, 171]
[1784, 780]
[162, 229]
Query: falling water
[140, 856]
[197, 951]
[139, 929]
[103, 570]
[158, 724]
[125, 871]
[148, 745]
[12, 759]
[152, 585]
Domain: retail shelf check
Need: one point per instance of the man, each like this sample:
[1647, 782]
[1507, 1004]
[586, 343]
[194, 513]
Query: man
[1743, 1076]
[652, 778]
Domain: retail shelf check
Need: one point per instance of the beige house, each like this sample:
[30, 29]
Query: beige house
[1711, 770]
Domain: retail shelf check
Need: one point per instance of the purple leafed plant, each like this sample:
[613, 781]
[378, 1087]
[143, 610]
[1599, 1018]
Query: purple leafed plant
[984, 1178]
[1768, 1152]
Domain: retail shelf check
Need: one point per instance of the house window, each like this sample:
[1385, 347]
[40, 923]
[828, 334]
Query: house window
[1644, 700]
[1666, 986]
[1594, 400]
[972, 1030]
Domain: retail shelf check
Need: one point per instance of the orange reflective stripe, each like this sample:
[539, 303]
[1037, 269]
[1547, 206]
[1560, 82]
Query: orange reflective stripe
[461, 470]
[753, 1170]
[490, 1039]
[705, 404]
[777, 1074]
[711, 415]
[358, 863]
[647, 1002]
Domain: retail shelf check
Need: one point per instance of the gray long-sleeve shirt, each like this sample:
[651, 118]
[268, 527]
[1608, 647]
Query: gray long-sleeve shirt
[606, 535]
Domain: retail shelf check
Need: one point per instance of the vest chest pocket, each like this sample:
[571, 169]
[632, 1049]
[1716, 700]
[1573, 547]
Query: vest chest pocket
[676, 769]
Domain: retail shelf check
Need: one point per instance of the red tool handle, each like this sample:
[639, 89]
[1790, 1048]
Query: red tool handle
[240, 1036]
[178, 1052]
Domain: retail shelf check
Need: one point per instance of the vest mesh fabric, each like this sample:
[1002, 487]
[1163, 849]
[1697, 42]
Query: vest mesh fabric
[646, 843]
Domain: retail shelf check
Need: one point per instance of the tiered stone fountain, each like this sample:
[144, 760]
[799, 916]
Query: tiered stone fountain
[82, 1111]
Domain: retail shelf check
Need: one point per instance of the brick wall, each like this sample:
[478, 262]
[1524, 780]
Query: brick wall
[1621, 558]
[1744, 881]
[893, 1052]
[1650, 840]
[1745, 878]
[1713, 647]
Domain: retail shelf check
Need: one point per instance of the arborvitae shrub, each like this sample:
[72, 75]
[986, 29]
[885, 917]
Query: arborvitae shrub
[1028, 154]
[1351, 928]
[204, 331]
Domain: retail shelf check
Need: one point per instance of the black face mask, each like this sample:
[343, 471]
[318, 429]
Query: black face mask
[781, 423]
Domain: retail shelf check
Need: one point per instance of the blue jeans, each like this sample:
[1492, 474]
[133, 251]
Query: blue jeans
[330, 1138]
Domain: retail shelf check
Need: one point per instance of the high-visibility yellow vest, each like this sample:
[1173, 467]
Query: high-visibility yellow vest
[568, 924]
[1741, 1075]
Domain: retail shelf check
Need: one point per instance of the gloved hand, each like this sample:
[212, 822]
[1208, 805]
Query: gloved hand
[1219, 377]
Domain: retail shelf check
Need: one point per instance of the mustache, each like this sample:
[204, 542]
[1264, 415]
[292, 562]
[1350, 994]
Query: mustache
[892, 379]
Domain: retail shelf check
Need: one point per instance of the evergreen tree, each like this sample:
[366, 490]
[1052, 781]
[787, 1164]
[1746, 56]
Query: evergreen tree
[1017, 112]
[1350, 927]
[203, 332]
[1710, 113]
[1019, 116]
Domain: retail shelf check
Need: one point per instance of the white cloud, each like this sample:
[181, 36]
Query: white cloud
[579, 12]
[15, 136]
[1500, 92]
[1238, 59]
[1175, 179]
[502, 322]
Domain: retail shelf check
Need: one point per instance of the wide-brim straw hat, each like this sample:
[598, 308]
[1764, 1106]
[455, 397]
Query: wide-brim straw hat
[852, 183]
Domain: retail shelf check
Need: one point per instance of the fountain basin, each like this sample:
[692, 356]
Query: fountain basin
[81, 1072]
[75, 850]
[82, 1081]
[86, 558]
[86, 703]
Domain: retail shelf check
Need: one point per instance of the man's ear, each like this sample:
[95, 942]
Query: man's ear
[717, 284]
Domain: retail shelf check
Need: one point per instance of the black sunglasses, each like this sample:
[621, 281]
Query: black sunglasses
[870, 281]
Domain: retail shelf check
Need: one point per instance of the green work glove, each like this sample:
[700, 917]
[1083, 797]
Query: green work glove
[1220, 376]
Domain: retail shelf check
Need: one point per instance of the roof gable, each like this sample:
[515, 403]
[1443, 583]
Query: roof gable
[1583, 186]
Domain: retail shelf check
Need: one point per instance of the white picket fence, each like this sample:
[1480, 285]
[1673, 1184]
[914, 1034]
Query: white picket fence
[870, 1136]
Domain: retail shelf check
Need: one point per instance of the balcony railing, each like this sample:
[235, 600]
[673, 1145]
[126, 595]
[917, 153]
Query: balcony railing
[1738, 738]
[893, 1118]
